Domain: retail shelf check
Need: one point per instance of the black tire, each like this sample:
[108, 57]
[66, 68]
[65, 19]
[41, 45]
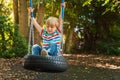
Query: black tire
[47, 63]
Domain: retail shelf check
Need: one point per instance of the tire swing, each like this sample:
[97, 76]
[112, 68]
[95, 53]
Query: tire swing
[43, 63]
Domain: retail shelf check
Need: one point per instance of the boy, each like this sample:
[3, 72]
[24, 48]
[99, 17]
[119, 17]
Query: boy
[51, 36]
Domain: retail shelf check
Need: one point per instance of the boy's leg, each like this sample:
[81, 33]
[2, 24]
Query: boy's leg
[52, 49]
[36, 49]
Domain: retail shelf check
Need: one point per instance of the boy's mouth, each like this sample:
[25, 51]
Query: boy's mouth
[49, 32]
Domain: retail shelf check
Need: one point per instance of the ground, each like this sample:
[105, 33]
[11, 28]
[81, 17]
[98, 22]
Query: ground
[81, 67]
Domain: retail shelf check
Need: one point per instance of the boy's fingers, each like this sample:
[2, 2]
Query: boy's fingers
[63, 4]
[30, 9]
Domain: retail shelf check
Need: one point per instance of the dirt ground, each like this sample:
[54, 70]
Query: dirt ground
[81, 67]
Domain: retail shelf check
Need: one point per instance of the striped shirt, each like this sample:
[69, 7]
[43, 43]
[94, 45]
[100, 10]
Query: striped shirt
[51, 38]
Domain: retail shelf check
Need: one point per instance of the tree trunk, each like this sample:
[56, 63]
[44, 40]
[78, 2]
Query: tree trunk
[68, 42]
[15, 7]
[23, 18]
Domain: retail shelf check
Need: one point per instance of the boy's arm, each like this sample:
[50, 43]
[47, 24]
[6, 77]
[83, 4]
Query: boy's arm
[35, 23]
[60, 22]
[60, 17]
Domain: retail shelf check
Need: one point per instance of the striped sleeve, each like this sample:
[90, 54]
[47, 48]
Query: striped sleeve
[41, 32]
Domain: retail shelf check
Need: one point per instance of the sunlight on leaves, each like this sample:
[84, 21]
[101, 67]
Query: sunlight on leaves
[88, 2]
[106, 1]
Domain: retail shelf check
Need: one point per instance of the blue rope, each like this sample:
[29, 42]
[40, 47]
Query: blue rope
[31, 5]
[62, 26]
[31, 32]
[62, 10]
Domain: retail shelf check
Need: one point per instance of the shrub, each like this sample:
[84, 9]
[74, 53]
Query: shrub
[11, 42]
[109, 48]
[110, 45]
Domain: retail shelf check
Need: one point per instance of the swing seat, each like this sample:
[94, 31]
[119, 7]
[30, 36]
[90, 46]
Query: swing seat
[45, 63]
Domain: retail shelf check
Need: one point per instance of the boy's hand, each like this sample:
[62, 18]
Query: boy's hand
[63, 4]
[30, 9]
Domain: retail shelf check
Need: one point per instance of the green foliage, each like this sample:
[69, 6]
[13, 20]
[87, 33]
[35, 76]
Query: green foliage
[98, 17]
[5, 7]
[11, 43]
[19, 47]
[110, 45]
[109, 48]
[111, 5]
[7, 55]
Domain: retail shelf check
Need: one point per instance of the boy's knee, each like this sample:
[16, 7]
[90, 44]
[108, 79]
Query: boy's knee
[36, 49]
[35, 46]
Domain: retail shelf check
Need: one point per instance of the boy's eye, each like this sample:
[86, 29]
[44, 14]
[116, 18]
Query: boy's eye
[52, 26]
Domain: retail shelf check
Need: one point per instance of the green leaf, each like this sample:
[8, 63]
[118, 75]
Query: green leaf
[88, 2]
[106, 2]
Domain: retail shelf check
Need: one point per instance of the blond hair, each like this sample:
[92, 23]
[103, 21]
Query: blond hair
[52, 21]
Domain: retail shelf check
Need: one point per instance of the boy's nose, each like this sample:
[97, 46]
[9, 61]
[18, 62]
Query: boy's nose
[49, 29]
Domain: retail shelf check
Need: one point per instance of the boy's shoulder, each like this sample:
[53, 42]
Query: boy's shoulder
[59, 30]
[43, 30]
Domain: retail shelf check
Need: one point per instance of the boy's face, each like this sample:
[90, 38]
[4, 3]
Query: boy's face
[51, 29]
